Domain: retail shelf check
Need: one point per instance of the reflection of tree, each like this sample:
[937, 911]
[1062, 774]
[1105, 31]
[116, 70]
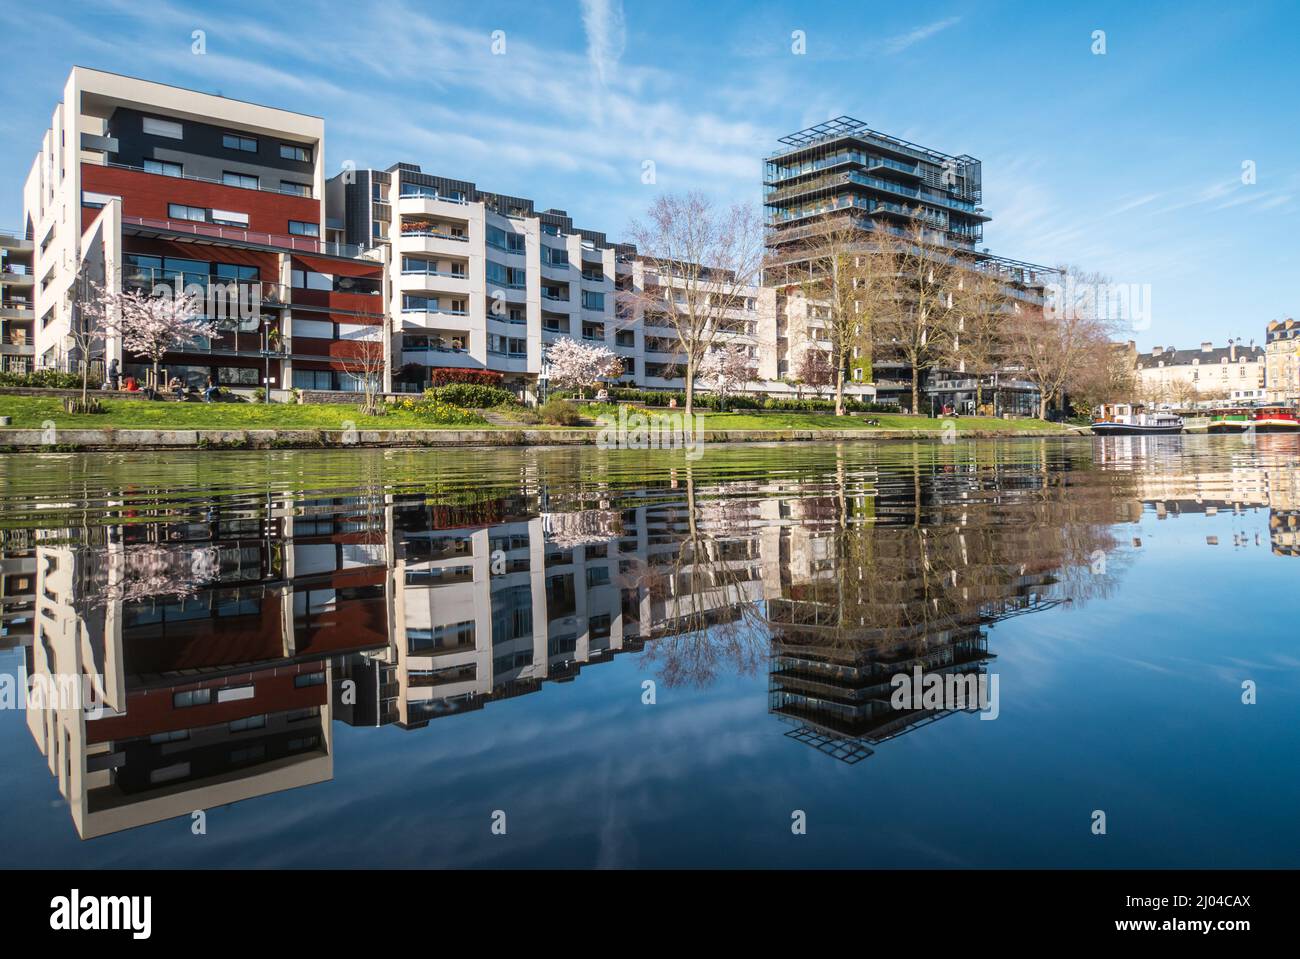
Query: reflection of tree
[149, 571]
[567, 530]
[708, 615]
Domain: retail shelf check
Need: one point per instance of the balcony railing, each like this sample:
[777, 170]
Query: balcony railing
[309, 195]
[301, 244]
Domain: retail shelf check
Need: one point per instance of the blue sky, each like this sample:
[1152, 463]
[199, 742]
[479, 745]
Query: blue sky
[1127, 163]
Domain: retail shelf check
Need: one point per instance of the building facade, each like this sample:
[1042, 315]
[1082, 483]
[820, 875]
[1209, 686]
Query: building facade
[140, 184]
[17, 329]
[1282, 361]
[846, 173]
[1173, 377]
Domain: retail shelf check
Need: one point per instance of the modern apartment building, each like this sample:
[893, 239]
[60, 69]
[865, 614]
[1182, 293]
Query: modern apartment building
[486, 281]
[843, 171]
[16, 317]
[1181, 377]
[1282, 361]
[139, 184]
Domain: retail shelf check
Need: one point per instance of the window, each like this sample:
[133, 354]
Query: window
[191, 697]
[593, 301]
[163, 128]
[237, 141]
[412, 303]
[175, 736]
[290, 151]
[179, 211]
[165, 167]
[245, 180]
[230, 218]
[303, 680]
[297, 189]
[303, 228]
[556, 257]
[249, 722]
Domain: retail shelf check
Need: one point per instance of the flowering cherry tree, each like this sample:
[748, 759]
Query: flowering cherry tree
[575, 365]
[154, 325]
[726, 370]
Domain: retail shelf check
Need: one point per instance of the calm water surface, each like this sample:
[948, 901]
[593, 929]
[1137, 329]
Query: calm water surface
[628, 659]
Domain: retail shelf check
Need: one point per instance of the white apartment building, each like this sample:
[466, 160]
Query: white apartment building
[484, 281]
[1173, 376]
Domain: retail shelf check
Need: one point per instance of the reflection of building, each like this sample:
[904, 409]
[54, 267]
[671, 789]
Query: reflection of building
[223, 644]
[210, 649]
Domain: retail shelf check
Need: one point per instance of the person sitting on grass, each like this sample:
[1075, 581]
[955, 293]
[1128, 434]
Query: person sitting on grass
[176, 387]
[211, 392]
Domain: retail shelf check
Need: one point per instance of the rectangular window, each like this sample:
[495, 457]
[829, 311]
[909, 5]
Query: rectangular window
[179, 211]
[556, 257]
[237, 141]
[163, 128]
[412, 303]
[592, 300]
[249, 722]
[290, 151]
[165, 167]
[230, 218]
[191, 697]
[303, 680]
[303, 228]
[297, 189]
[245, 180]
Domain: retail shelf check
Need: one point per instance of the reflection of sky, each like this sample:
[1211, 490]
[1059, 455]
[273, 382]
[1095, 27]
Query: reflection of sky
[1129, 704]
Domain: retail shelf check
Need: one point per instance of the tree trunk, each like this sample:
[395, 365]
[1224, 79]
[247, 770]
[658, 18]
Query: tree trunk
[979, 394]
[916, 398]
[85, 381]
[1042, 407]
[690, 386]
[155, 385]
[839, 391]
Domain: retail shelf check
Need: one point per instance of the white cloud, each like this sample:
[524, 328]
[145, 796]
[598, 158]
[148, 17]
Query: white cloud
[904, 40]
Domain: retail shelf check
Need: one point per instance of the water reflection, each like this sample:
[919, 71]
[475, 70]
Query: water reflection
[224, 632]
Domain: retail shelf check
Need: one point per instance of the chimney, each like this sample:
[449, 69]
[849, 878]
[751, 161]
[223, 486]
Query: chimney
[1157, 351]
[1232, 351]
[1207, 346]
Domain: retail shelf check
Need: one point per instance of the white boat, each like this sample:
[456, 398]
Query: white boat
[1123, 419]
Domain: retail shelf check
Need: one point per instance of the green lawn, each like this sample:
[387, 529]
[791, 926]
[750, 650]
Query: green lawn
[31, 411]
[824, 421]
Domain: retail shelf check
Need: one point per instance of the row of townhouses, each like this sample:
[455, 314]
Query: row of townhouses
[1233, 373]
[139, 183]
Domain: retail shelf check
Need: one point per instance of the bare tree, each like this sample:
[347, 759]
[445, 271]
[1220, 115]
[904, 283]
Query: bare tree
[364, 364]
[917, 282]
[976, 344]
[847, 284]
[701, 263]
[1051, 341]
[93, 322]
[813, 368]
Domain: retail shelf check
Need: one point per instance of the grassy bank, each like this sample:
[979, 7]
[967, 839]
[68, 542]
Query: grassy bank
[30, 412]
[826, 421]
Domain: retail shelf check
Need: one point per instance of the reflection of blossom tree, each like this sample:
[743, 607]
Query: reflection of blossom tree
[567, 530]
[151, 571]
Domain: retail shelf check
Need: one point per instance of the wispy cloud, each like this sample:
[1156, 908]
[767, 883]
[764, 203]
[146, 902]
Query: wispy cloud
[606, 35]
[904, 40]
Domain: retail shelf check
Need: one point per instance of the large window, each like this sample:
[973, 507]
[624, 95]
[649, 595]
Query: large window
[163, 128]
[592, 300]
[506, 239]
[303, 228]
[297, 189]
[245, 180]
[237, 141]
[165, 167]
[179, 211]
[291, 151]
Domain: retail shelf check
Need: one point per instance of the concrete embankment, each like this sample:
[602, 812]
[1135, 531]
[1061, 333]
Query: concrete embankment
[38, 440]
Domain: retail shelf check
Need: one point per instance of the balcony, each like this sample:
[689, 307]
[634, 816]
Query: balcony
[163, 227]
[309, 195]
[16, 310]
[15, 274]
[425, 320]
[429, 281]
